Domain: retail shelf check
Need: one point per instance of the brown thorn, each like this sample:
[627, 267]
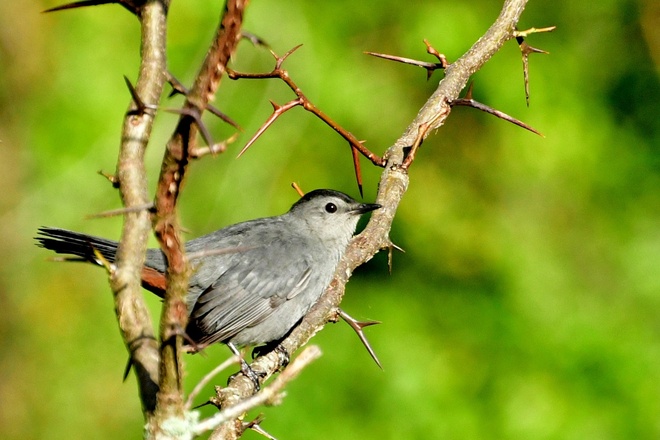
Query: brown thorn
[257, 428]
[179, 89]
[281, 59]
[302, 100]
[216, 112]
[526, 49]
[357, 326]
[132, 347]
[433, 51]
[390, 248]
[100, 259]
[177, 330]
[194, 113]
[214, 149]
[525, 61]
[526, 32]
[232, 74]
[389, 259]
[299, 190]
[398, 59]
[397, 247]
[430, 67]
[492, 111]
[142, 108]
[421, 134]
[352, 140]
[206, 135]
[213, 401]
[468, 94]
[255, 425]
[177, 86]
[121, 211]
[277, 112]
[127, 370]
[111, 178]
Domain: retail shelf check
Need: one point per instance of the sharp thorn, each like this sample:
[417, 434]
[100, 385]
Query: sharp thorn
[80, 4]
[299, 190]
[254, 39]
[357, 326]
[127, 370]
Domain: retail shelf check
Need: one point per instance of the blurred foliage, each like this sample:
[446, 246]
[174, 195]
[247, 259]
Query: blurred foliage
[527, 303]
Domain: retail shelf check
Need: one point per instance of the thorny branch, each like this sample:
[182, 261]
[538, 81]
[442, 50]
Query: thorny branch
[468, 101]
[392, 186]
[160, 386]
[356, 145]
[132, 313]
[526, 49]
[174, 315]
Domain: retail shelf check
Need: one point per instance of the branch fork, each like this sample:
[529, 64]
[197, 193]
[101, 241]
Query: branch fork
[357, 146]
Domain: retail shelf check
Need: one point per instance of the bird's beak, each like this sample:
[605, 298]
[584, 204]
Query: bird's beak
[365, 207]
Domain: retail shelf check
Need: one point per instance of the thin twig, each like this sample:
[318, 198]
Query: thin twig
[174, 316]
[526, 50]
[121, 211]
[469, 102]
[267, 394]
[207, 379]
[302, 100]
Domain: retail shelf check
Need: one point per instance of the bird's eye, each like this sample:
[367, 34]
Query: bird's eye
[331, 208]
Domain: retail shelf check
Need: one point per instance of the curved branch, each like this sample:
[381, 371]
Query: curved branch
[393, 185]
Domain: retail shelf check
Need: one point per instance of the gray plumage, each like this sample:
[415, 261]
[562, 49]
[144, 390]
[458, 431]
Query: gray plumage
[253, 281]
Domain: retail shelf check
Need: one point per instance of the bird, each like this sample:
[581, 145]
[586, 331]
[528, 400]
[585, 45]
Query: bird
[251, 282]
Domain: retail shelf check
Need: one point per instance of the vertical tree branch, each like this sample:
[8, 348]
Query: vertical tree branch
[170, 402]
[133, 316]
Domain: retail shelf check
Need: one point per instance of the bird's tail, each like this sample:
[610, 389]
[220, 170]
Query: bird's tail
[77, 246]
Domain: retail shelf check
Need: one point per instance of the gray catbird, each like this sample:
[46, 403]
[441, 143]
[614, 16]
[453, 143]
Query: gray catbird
[253, 281]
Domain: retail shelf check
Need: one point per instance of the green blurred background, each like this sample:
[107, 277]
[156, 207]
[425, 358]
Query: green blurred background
[527, 303]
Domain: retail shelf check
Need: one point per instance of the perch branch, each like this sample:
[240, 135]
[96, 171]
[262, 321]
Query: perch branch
[269, 395]
[393, 185]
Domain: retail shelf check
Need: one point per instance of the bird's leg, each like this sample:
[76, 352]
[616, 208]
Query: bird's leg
[246, 370]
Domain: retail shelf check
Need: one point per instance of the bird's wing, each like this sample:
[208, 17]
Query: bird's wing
[246, 292]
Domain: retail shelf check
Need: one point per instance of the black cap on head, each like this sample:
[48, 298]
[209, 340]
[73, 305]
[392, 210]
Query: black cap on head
[324, 193]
